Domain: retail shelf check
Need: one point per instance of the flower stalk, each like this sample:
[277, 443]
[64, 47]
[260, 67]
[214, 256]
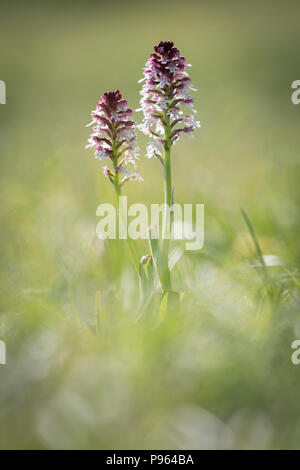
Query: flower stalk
[114, 140]
[164, 93]
[167, 222]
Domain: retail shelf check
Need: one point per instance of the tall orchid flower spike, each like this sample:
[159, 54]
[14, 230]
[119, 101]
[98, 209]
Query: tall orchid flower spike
[114, 139]
[165, 96]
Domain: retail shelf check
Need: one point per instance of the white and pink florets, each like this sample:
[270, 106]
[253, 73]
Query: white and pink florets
[114, 136]
[165, 92]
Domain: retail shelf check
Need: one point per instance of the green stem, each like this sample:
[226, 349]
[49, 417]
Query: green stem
[131, 249]
[166, 281]
[117, 191]
[116, 183]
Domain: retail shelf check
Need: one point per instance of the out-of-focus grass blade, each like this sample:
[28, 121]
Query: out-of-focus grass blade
[156, 253]
[265, 278]
[291, 275]
[253, 235]
[170, 302]
[146, 277]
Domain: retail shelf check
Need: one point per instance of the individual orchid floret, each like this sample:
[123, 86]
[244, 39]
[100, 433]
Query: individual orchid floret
[114, 138]
[164, 94]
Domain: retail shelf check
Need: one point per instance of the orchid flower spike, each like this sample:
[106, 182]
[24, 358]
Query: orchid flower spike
[164, 94]
[114, 138]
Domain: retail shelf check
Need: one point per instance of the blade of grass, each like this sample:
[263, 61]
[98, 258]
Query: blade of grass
[253, 235]
[265, 278]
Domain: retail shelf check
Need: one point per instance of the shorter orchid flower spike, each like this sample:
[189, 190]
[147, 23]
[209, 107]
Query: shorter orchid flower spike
[114, 138]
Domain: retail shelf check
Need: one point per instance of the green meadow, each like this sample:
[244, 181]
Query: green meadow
[89, 366]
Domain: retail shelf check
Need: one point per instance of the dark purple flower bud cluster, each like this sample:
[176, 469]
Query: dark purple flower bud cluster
[166, 89]
[114, 137]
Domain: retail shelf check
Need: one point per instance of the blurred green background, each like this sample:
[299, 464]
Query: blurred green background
[82, 371]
